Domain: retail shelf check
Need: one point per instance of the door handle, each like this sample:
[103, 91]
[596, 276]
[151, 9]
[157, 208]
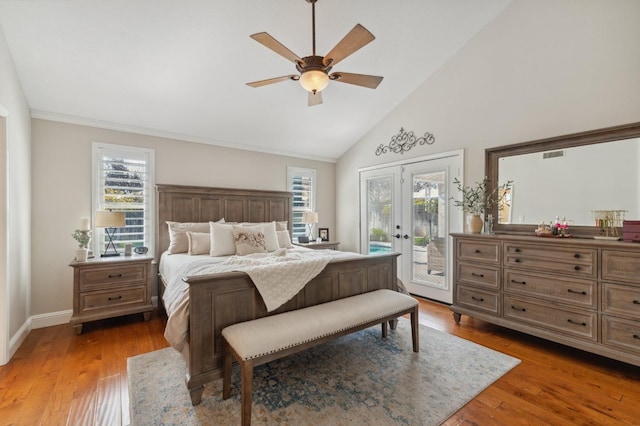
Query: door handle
[396, 236]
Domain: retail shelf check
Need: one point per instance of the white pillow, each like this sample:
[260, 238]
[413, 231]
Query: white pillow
[270, 236]
[199, 242]
[222, 242]
[178, 241]
[284, 239]
[249, 239]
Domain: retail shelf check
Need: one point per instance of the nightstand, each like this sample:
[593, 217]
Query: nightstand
[333, 245]
[107, 287]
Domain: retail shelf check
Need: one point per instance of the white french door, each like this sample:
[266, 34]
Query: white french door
[406, 208]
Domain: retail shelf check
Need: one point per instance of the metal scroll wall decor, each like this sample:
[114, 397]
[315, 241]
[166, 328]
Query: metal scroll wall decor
[404, 141]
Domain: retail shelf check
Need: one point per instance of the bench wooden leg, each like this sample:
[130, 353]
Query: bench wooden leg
[385, 330]
[227, 359]
[246, 380]
[414, 330]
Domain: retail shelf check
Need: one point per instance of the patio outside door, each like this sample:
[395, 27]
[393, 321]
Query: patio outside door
[407, 209]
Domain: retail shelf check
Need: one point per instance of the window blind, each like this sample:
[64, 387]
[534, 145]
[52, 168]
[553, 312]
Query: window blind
[302, 183]
[123, 183]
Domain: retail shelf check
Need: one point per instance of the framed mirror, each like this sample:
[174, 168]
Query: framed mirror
[571, 177]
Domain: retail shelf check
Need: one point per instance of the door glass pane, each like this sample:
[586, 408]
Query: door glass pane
[429, 229]
[379, 214]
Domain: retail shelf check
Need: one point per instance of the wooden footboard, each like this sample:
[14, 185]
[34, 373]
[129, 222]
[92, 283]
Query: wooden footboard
[219, 300]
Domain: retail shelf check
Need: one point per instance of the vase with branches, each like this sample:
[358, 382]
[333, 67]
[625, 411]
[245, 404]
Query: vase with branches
[477, 199]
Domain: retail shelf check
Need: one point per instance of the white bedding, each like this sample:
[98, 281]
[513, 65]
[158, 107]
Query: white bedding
[278, 276]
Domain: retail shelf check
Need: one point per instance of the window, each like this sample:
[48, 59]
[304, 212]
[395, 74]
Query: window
[302, 182]
[122, 181]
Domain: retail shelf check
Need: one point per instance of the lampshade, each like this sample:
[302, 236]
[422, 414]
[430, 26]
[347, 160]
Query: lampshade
[310, 217]
[314, 80]
[109, 219]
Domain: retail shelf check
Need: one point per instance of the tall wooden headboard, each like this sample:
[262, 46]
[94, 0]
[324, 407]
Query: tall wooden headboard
[179, 203]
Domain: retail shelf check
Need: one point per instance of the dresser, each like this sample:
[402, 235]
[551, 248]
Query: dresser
[583, 293]
[109, 287]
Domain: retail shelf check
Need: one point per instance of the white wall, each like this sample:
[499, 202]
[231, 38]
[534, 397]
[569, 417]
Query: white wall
[15, 197]
[542, 68]
[62, 191]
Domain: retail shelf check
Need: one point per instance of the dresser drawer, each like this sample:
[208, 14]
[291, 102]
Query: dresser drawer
[477, 299]
[103, 278]
[568, 260]
[478, 251]
[477, 274]
[621, 266]
[109, 299]
[621, 333]
[574, 323]
[581, 293]
[620, 299]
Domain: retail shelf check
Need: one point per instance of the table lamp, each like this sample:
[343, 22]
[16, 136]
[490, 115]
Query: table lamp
[310, 218]
[110, 221]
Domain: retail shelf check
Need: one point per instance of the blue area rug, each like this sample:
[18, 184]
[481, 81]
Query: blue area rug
[356, 379]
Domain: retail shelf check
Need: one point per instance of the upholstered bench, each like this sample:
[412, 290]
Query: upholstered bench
[266, 339]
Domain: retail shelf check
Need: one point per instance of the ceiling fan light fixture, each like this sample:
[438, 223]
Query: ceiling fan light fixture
[314, 80]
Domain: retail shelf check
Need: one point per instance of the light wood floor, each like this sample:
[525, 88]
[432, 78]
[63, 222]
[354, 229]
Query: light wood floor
[58, 378]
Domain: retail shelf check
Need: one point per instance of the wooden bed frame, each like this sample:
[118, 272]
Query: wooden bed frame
[219, 300]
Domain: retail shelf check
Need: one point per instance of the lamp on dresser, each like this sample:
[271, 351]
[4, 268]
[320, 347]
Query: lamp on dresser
[110, 221]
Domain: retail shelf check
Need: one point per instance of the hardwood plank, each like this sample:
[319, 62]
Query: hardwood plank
[109, 409]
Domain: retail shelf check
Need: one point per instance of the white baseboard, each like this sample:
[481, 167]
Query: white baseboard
[52, 318]
[18, 338]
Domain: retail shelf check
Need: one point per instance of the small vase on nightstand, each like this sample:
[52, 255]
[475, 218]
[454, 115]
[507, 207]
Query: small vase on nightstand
[82, 254]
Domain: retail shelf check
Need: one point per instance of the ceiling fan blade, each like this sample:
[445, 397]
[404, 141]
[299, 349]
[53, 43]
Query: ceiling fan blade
[261, 83]
[357, 38]
[273, 44]
[315, 99]
[370, 81]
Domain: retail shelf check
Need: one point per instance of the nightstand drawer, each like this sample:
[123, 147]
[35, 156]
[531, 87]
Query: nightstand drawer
[107, 299]
[102, 278]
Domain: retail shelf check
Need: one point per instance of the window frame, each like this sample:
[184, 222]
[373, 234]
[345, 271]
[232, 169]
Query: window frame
[98, 149]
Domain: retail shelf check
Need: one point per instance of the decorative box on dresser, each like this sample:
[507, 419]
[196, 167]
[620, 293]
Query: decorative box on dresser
[583, 293]
[109, 287]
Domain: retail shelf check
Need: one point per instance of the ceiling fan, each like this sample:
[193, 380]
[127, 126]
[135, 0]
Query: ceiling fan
[314, 70]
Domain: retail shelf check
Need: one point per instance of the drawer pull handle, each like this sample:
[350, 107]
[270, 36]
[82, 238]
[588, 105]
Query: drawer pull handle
[635, 336]
[516, 260]
[577, 268]
[479, 299]
[576, 292]
[570, 321]
[577, 255]
[517, 250]
[115, 298]
[477, 251]
[518, 309]
[477, 275]
[636, 302]
[519, 282]
[115, 276]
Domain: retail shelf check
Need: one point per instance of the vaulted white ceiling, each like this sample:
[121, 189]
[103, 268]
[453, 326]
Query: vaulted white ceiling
[179, 68]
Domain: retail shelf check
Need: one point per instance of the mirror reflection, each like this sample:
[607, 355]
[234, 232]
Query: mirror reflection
[572, 183]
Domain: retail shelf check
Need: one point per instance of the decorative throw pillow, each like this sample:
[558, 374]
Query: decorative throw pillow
[249, 239]
[222, 242]
[284, 239]
[270, 236]
[199, 243]
[178, 241]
